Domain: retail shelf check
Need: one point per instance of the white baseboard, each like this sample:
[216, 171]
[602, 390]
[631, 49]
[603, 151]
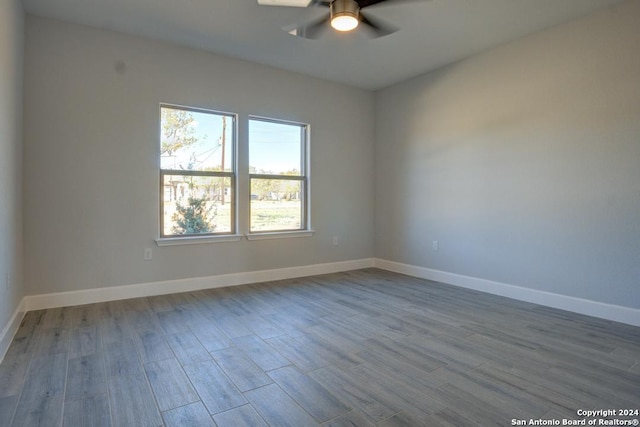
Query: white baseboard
[10, 329]
[112, 293]
[612, 312]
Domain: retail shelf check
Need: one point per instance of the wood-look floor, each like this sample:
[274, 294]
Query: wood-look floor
[364, 348]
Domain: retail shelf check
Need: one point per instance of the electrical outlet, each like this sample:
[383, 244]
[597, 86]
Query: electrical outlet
[148, 254]
[435, 246]
[336, 240]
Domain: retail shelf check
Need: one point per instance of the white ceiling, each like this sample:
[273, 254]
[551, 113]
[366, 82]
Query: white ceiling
[432, 32]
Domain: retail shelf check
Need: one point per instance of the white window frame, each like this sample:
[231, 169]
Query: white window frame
[170, 240]
[305, 229]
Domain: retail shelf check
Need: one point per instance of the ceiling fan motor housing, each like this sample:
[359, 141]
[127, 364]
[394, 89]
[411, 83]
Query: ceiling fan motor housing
[344, 8]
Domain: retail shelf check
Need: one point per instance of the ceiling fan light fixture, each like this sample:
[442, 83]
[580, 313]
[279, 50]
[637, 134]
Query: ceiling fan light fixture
[344, 15]
[344, 23]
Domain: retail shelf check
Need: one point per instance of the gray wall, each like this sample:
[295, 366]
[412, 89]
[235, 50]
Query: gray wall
[11, 58]
[523, 162]
[91, 158]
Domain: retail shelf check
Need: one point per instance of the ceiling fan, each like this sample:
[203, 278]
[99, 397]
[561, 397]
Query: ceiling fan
[344, 16]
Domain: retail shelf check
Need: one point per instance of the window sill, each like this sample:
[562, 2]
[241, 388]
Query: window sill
[280, 235]
[198, 240]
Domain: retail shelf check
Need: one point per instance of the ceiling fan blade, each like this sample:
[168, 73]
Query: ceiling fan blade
[294, 3]
[312, 30]
[367, 3]
[288, 3]
[376, 27]
[324, 3]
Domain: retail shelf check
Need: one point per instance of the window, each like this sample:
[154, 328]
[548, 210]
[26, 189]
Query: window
[278, 176]
[197, 172]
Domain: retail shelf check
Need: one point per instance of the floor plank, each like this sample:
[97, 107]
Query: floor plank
[277, 408]
[170, 384]
[351, 419]
[53, 341]
[130, 396]
[217, 392]
[39, 411]
[91, 411]
[84, 341]
[7, 409]
[86, 377]
[194, 414]
[261, 353]
[187, 348]
[211, 338]
[243, 416]
[46, 376]
[153, 346]
[310, 395]
[132, 404]
[13, 373]
[355, 392]
[240, 369]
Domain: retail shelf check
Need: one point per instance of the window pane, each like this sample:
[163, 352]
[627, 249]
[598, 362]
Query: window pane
[197, 205]
[276, 205]
[275, 148]
[195, 140]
